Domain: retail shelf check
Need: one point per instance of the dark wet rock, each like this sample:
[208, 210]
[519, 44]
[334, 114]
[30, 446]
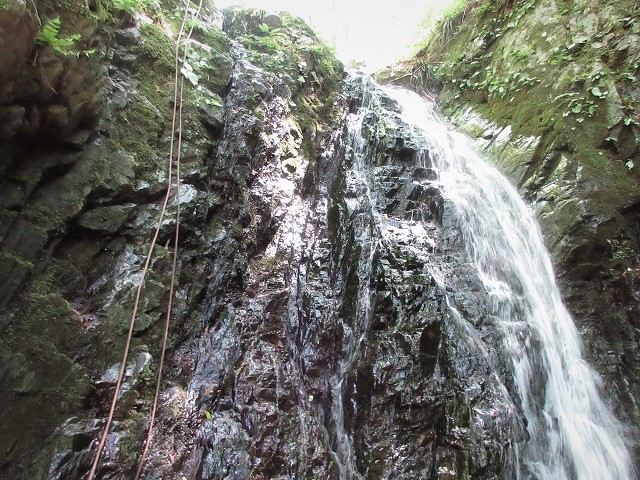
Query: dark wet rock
[569, 140]
[226, 453]
[105, 219]
[11, 118]
[307, 338]
[75, 435]
[83, 183]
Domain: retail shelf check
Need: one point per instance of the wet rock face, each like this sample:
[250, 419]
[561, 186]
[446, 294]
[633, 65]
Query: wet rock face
[46, 95]
[335, 355]
[310, 338]
[78, 204]
[548, 90]
[311, 335]
[419, 398]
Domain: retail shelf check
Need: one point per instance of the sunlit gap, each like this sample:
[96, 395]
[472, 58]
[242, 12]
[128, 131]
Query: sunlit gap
[368, 33]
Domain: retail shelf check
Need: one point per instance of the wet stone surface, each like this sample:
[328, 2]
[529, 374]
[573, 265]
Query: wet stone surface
[311, 333]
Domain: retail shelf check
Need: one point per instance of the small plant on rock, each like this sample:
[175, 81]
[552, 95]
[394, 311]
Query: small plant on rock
[50, 35]
[128, 6]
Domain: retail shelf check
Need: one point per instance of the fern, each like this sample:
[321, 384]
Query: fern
[50, 35]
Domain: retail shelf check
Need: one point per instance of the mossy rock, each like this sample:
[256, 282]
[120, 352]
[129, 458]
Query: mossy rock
[156, 46]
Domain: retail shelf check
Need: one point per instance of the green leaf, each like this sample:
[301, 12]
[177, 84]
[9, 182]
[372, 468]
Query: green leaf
[565, 95]
[596, 92]
[629, 164]
[51, 30]
[577, 108]
[189, 74]
[207, 414]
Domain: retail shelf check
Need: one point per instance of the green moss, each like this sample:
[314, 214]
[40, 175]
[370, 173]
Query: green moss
[213, 37]
[550, 81]
[139, 130]
[473, 130]
[41, 300]
[14, 257]
[8, 214]
[281, 50]
[209, 66]
[38, 344]
[143, 122]
[292, 52]
[297, 24]
[157, 46]
[562, 79]
[42, 217]
[65, 7]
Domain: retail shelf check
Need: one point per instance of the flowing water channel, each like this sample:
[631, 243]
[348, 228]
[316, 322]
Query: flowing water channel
[369, 233]
[571, 433]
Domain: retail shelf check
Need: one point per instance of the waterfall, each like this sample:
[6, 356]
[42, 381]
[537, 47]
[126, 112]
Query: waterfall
[367, 228]
[572, 433]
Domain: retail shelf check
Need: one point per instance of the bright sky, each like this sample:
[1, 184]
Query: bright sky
[376, 32]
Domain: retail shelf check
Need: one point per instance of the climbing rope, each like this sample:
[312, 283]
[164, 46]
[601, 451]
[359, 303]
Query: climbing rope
[174, 264]
[178, 88]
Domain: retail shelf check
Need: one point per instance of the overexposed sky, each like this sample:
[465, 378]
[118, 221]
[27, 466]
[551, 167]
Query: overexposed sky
[376, 32]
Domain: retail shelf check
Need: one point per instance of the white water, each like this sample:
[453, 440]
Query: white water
[362, 206]
[572, 433]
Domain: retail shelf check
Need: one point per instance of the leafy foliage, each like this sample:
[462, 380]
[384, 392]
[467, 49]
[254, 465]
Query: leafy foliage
[189, 74]
[129, 6]
[592, 67]
[50, 35]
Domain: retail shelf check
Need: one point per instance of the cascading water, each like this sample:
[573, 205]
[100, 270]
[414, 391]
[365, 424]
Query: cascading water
[572, 434]
[403, 376]
[369, 235]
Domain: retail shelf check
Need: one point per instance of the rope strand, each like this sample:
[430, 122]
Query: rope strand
[145, 269]
[165, 337]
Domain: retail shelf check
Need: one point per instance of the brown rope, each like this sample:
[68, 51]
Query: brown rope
[145, 269]
[165, 336]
